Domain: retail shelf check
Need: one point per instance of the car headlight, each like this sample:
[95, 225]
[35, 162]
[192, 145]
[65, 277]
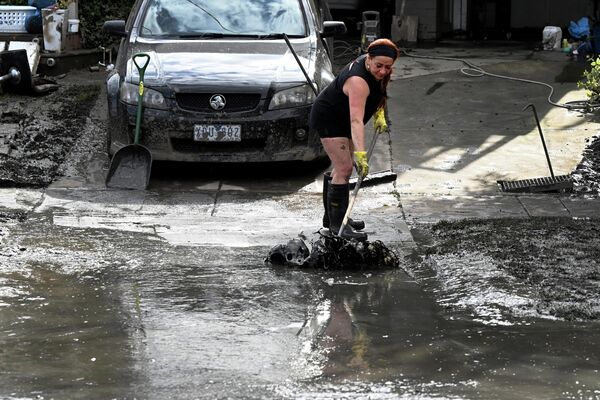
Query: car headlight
[152, 98]
[294, 97]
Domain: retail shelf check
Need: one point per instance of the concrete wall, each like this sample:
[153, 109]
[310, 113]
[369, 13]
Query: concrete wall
[426, 10]
[540, 13]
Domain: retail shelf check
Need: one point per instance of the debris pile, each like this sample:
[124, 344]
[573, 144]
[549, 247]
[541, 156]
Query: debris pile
[586, 177]
[333, 253]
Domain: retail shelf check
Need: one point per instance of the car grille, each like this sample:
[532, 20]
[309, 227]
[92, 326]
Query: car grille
[191, 146]
[234, 102]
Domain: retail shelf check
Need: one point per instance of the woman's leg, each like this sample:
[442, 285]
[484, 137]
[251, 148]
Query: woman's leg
[338, 150]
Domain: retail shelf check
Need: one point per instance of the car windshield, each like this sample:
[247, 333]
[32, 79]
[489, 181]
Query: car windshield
[221, 18]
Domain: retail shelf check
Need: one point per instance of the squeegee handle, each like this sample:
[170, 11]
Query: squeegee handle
[289, 44]
[141, 70]
[356, 187]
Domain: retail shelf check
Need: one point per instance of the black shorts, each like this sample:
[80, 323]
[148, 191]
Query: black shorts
[332, 133]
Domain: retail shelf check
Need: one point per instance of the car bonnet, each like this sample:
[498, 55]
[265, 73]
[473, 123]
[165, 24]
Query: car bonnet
[209, 64]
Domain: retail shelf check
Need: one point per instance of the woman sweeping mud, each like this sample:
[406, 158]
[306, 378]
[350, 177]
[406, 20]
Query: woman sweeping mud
[339, 116]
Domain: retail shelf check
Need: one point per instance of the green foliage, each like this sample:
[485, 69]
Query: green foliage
[93, 13]
[591, 81]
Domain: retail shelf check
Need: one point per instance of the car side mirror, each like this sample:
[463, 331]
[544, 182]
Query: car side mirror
[333, 28]
[115, 28]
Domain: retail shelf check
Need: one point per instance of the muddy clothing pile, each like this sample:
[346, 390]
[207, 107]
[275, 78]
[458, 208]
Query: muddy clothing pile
[333, 253]
[36, 133]
[586, 177]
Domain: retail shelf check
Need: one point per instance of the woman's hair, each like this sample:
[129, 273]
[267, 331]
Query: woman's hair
[384, 47]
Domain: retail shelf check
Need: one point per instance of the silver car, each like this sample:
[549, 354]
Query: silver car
[227, 81]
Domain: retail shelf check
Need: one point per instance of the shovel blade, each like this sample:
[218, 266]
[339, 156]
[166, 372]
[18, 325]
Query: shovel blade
[130, 168]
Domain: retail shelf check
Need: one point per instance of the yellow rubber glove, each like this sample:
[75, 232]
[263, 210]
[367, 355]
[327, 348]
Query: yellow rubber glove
[362, 164]
[379, 122]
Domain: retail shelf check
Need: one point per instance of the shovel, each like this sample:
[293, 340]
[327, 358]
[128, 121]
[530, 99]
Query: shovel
[131, 165]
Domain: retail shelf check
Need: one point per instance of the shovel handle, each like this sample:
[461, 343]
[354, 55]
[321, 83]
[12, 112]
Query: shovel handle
[141, 70]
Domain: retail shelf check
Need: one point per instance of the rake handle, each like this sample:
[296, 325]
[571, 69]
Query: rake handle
[537, 120]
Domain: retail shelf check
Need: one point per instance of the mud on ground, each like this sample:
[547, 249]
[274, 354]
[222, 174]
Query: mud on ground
[37, 133]
[586, 177]
[504, 271]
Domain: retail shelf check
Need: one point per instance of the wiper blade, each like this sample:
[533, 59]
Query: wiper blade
[219, 35]
[277, 36]
[210, 35]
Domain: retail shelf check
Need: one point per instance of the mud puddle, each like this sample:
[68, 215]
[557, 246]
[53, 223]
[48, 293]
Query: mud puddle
[103, 314]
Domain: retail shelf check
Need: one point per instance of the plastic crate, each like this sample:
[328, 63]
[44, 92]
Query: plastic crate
[12, 18]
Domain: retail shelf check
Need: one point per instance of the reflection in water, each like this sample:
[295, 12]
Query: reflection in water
[344, 340]
[380, 337]
[374, 322]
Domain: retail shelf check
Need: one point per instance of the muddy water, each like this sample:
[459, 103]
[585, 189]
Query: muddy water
[143, 320]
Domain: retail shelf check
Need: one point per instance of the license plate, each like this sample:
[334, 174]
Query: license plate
[218, 133]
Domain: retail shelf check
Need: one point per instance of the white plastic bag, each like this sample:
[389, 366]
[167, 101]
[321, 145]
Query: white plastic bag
[551, 38]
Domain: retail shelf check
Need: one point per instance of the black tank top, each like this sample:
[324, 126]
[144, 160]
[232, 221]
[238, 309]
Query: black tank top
[331, 110]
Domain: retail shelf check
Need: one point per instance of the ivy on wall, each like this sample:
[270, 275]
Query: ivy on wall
[93, 13]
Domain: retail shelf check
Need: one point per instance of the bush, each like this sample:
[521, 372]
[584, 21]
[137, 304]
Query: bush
[93, 14]
[591, 81]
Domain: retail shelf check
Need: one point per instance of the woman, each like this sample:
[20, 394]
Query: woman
[339, 116]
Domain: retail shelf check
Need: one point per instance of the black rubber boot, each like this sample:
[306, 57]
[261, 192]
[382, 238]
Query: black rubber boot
[337, 198]
[354, 223]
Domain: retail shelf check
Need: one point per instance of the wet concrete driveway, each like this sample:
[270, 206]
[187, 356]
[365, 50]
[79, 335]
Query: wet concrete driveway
[164, 294]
